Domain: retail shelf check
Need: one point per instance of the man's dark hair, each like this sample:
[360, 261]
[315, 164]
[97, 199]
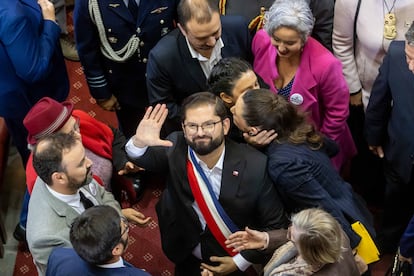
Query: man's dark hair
[225, 74]
[48, 153]
[200, 10]
[95, 233]
[203, 99]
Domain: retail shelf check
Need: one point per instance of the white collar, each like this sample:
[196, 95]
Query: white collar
[216, 51]
[72, 200]
[117, 264]
[218, 165]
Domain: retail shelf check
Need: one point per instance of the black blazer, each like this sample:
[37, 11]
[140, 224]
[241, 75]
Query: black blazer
[249, 198]
[172, 73]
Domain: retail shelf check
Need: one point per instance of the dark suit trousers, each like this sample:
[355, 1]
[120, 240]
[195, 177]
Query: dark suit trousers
[398, 209]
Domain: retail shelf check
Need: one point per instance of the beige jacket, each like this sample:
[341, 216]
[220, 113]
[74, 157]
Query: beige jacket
[361, 70]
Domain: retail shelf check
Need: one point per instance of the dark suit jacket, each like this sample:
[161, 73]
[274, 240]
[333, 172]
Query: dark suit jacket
[66, 262]
[322, 10]
[306, 178]
[407, 241]
[172, 74]
[389, 117]
[125, 80]
[248, 197]
[32, 64]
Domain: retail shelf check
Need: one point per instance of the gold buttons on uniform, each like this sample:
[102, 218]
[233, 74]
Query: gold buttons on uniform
[162, 21]
[138, 30]
[142, 44]
[144, 60]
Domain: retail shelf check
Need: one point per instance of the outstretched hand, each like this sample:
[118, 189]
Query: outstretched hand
[248, 239]
[148, 130]
[130, 168]
[136, 217]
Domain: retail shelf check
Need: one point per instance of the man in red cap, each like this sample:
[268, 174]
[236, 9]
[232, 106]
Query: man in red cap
[103, 144]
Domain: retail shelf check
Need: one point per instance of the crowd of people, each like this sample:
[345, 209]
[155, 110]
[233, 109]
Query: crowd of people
[260, 116]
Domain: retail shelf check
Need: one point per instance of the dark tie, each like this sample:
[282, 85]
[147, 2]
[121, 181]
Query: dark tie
[133, 8]
[87, 203]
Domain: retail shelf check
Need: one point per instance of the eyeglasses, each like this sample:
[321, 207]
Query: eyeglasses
[126, 226]
[207, 127]
[76, 128]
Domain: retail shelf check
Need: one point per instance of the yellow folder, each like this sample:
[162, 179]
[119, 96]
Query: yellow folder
[366, 248]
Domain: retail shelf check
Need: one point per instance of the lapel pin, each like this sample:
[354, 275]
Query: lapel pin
[235, 173]
[114, 5]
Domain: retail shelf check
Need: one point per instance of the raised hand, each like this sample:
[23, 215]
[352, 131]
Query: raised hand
[248, 239]
[148, 130]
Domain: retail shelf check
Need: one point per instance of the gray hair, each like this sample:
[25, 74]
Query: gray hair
[294, 14]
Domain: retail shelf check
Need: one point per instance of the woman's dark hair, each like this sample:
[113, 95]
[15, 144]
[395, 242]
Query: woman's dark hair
[264, 109]
[225, 74]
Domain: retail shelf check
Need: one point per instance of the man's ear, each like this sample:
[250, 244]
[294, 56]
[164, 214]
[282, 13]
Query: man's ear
[118, 250]
[226, 99]
[182, 29]
[226, 126]
[58, 178]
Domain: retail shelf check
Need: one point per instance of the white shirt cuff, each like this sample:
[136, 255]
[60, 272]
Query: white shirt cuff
[241, 263]
[134, 151]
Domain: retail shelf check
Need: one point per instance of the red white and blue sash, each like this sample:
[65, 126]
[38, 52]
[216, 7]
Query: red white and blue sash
[219, 223]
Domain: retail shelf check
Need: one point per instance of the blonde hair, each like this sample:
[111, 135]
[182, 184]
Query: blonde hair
[320, 236]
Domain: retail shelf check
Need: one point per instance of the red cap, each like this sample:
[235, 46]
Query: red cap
[46, 117]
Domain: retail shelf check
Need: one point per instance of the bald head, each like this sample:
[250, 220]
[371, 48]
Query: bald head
[199, 10]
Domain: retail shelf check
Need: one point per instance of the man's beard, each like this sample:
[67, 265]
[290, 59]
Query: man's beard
[204, 148]
[74, 184]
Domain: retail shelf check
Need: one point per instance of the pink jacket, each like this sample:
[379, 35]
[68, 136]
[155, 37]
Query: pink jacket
[319, 88]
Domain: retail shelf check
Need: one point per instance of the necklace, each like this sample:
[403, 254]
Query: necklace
[390, 29]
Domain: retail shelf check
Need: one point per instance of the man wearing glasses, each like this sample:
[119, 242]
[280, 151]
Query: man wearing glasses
[206, 173]
[99, 237]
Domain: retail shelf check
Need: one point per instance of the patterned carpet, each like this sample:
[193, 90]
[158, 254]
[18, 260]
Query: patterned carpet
[144, 250]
